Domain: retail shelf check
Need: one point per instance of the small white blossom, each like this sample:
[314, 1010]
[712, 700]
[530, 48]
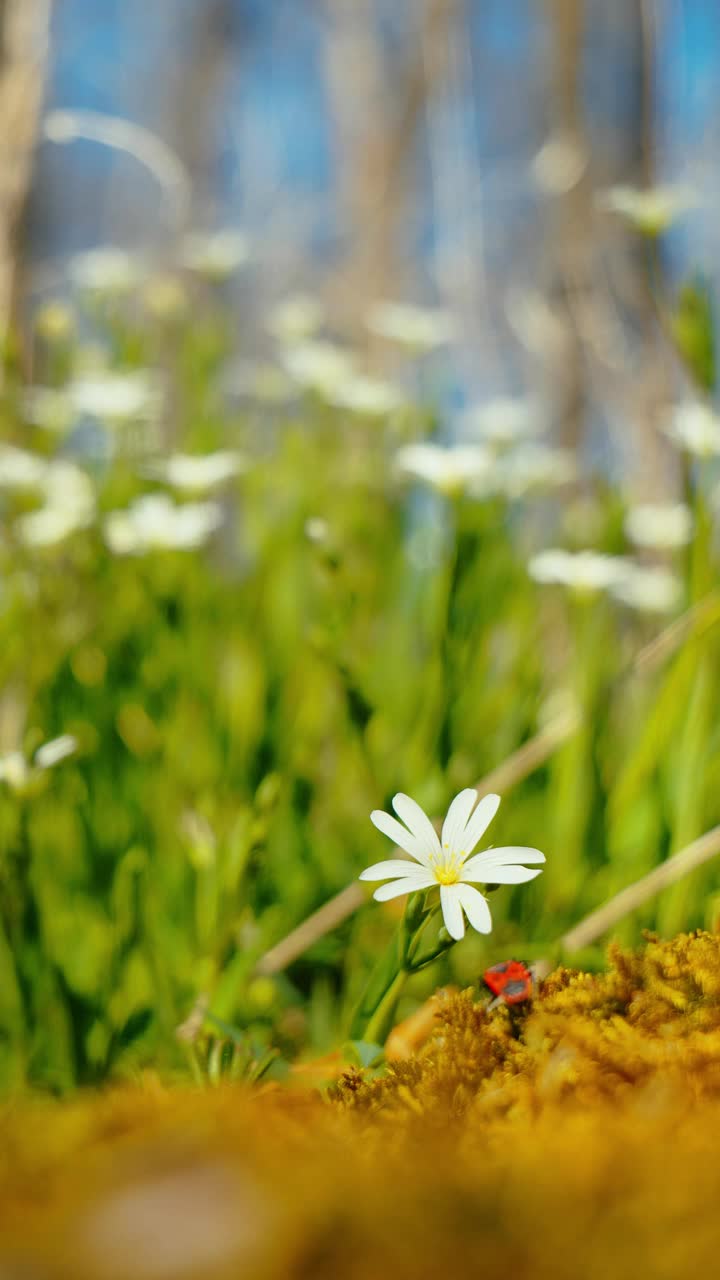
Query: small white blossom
[196, 473]
[69, 506]
[294, 318]
[155, 522]
[114, 397]
[446, 860]
[502, 421]
[20, 469]
[650, 589]
[106, 270]
[369, 396]
[694, 427]
[318, 366]
[17, 771]
[451, 469]
[418, 328]
[581, 570]
[662, 526]
[652, 211]
[534, 466]
[215, 254]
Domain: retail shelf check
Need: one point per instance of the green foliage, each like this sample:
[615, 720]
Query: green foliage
[240, 709]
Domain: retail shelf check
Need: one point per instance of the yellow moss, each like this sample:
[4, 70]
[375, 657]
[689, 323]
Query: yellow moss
[577, 1136]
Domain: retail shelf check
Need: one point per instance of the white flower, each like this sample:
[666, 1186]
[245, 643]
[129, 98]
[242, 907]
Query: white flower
[694, 426]
[663, 526]
[20, 469]
[534, 466]
[446, 860]
[319, 366]
[106, 270]
[156, 522]
[449, 468]
[582, 570]
[69, 506]
[363, 395]
[651, 212]
[215, 254]
[649, 589]
[17, 771]
[114, 397]
[47, 407]
[419, 328]
[503, 420]
[196, 473]
[298, 316]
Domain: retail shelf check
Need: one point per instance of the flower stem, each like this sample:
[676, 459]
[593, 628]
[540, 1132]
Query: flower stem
[380, 1023]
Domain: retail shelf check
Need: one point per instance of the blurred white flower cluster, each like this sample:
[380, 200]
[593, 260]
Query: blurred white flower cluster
[155, 523]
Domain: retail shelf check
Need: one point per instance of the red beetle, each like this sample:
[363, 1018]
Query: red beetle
[510, 981]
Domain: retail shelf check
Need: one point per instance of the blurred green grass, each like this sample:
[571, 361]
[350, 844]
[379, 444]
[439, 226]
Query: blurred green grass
[241, 708]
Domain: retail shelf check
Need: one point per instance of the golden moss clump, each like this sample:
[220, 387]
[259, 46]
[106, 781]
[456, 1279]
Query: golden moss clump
[573, 1136]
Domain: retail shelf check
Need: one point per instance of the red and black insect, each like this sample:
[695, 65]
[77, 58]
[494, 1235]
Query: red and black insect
[510, 981]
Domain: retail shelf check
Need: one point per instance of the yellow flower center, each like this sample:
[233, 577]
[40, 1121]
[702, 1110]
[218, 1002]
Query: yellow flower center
[446, 867]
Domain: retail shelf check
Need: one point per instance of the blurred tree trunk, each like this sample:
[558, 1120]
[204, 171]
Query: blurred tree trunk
[24, 33]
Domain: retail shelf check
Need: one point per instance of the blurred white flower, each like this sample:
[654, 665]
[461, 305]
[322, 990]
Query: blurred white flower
[452, 469]
[650, 589]
[534, 466]
[662, 526]
[47, 407]
[318, 366]
[20, 469]
[106, 270]
[652, 211]
[69, 506]
[419, 328]
[317, 529]
[17, 771]
[694, 427]
[155, 522]
[215, 254]
[296, 317]
[580, 570]
[504, 420]
[196, 473]
[369, 396]
[115, 397]
[445, 861]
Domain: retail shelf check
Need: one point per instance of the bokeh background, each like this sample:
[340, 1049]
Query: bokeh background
[357, 435]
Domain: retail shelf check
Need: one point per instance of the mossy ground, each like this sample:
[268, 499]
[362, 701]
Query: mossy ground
[575, 1137]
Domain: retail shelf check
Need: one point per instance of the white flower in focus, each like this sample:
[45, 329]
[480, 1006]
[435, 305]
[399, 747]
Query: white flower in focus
[662, 526]
[651, 212]
[580, 570]
[294, 318]
[452, 469]
[215, 254]
[114, 397]
[155, 522]
[694, 427]
[649, 589]
[446, 860]
[318, 366]
[20, 469]
[370, 396]
[196, 473]
[106, 270]
[503, 420]
[418, 328]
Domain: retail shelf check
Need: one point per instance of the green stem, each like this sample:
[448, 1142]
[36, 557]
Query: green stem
[380, 1023]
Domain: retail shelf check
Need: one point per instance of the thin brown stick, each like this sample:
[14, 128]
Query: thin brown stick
[332, 913]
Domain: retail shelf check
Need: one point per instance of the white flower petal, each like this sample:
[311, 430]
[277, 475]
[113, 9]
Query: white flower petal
[396, 888]
[491, 873]
[398, 834]
[452, 911]
[475, 907]
[479, 823]
[506, 855]
[393, 867]
[418, 822]
[457, 817]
